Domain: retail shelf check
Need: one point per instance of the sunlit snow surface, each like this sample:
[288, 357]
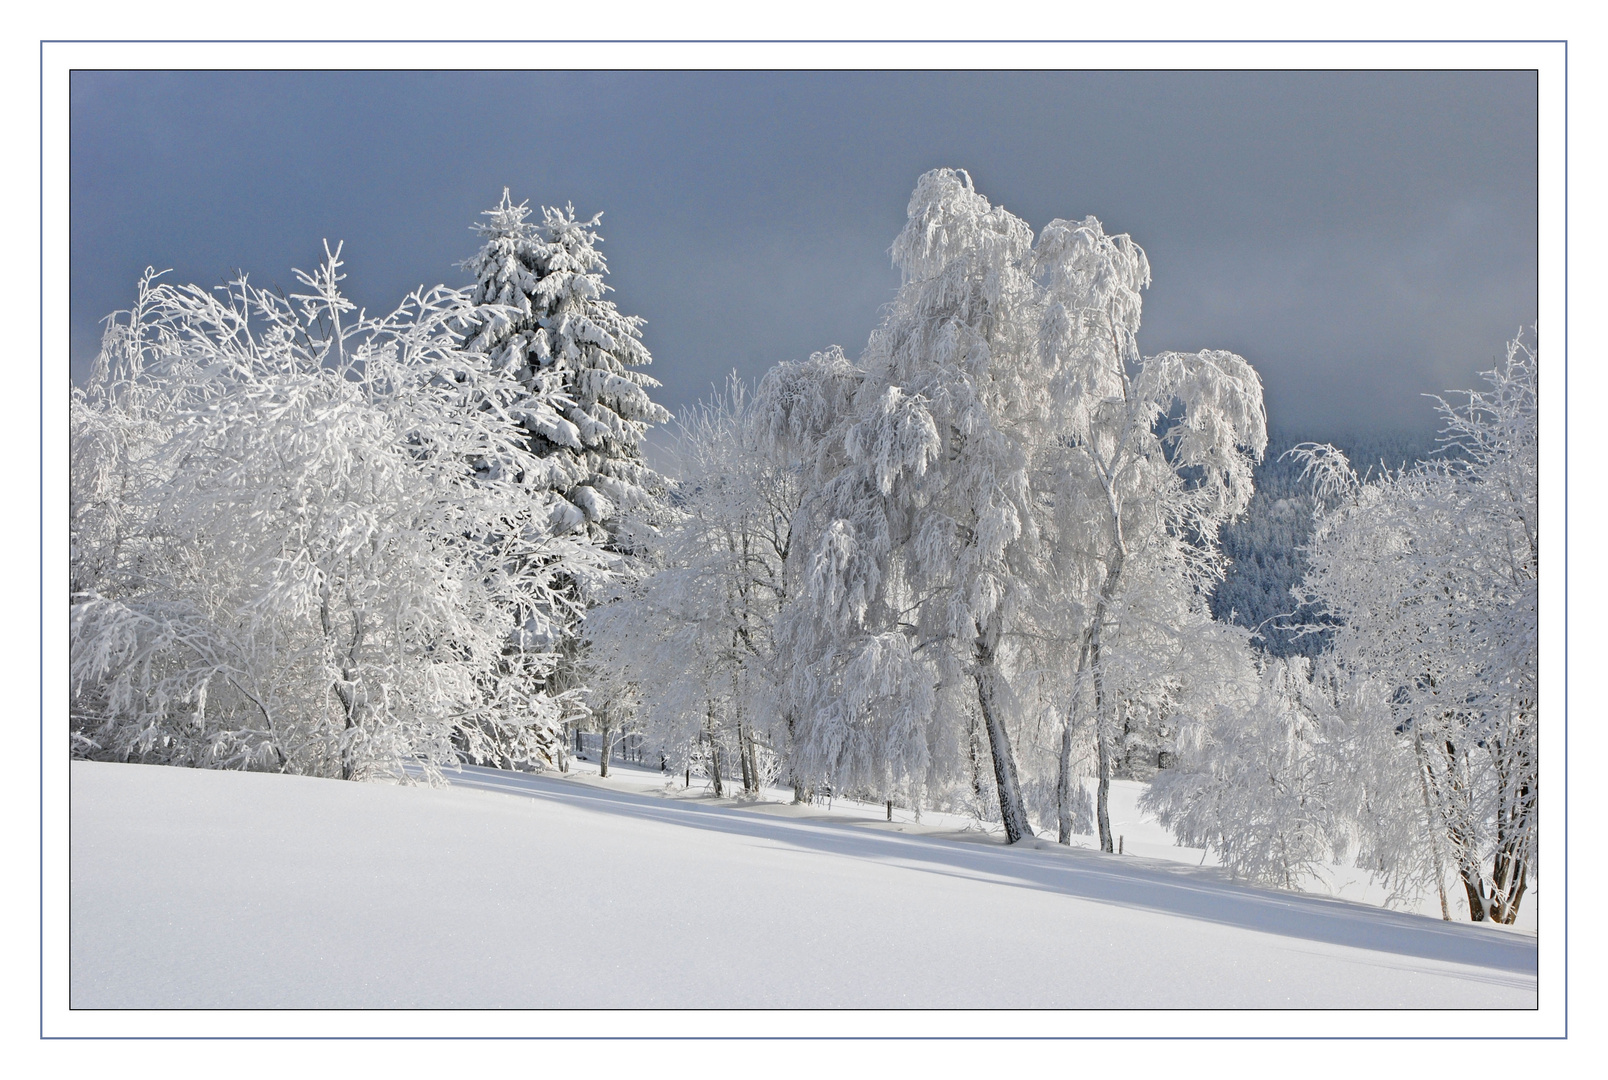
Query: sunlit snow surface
[236, 890]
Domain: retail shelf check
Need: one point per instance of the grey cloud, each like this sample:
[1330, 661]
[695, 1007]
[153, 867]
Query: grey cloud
[1361, 237]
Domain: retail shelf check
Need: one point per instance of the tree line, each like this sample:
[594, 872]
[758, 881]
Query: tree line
[974, 567]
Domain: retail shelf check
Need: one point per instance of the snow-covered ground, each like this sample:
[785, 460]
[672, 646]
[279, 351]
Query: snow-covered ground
[220, 889]
[1139, 833]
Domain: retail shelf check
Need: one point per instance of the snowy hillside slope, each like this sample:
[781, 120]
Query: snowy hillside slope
[1138, 832]
[195, 888]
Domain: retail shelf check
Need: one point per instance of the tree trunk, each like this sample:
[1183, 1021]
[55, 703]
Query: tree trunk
[348, 687]
[1012, 811]
[799, 786]
[1434, 825]
[742, 758]
[1102, 794]
[352, 694]
[1063, 765]
[1476, 895]
[1102, 791]
[753, 761]
[976, 767]
[714, 748]
[1108, 592]
[1460, 832]
[1510, 868]
[604, 746]
[1063, 785]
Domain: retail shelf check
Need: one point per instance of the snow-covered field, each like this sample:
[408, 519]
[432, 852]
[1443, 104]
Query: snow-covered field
[238, 890]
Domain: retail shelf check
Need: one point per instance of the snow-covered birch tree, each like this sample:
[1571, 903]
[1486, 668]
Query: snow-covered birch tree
[1150, 456]
[917, 537]
[1409, 743]
[1431, 573]
[309, 539]
[696, 635]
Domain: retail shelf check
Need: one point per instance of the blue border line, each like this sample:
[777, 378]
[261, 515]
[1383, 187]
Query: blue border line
[805, 41]
[1565, 535]
[808, 1038]
[42, 538]
[819, 41]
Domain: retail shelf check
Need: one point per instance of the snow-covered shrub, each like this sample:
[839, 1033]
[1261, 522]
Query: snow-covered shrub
[308, 539]
[1259, 779]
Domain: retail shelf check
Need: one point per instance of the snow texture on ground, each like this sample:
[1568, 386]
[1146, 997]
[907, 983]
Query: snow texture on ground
[197, 889]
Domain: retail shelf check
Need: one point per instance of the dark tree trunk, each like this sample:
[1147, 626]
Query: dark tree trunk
[1510, 869]
[976, 768]
[800, 789]
[1102, 796]
[604, 747]
[1462, 837]
[742, 760]
[714, 749]
[1476, 894]
[753, 761]
[1102, 791]
[1063, 786]
[1012, 811]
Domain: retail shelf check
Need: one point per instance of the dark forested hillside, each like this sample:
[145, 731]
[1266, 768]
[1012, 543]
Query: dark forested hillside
[1265, 546]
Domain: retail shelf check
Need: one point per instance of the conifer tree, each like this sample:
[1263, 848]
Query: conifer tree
[540, 313]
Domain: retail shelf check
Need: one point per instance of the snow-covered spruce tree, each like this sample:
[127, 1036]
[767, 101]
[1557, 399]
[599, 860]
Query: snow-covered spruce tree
[1150, 456]
[696, 635]
[539, 313]
[307, 540]
[917, 537]
[1431, 573]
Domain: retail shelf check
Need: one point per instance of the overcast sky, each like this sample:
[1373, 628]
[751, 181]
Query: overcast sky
[1362, 238]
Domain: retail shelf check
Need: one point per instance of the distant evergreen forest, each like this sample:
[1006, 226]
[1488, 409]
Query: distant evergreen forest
[1267, 545]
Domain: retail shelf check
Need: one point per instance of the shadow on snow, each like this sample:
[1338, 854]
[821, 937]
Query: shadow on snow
[1171, 889]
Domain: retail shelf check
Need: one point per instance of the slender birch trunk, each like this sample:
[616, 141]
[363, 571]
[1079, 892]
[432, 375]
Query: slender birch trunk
[753, 760]
[1108, 591]
[1434, 825]
[742, 758]
[1063, 787]
[1063, 765]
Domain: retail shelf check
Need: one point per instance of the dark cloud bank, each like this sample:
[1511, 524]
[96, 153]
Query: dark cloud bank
[1362, 237]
